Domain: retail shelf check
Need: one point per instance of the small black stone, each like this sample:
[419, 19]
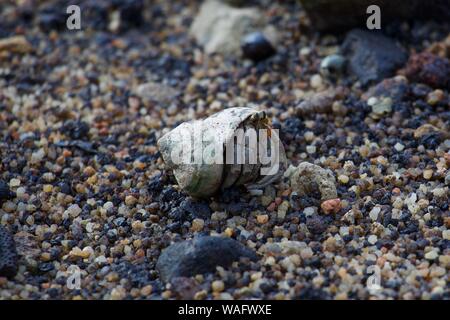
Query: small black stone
[316, 225]
[5, 192]
[76, 130]
[256, 47]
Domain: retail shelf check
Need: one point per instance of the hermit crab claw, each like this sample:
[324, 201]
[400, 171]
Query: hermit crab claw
[233, 147]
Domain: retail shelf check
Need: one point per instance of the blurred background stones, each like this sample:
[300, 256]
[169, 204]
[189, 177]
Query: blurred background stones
[334, 15]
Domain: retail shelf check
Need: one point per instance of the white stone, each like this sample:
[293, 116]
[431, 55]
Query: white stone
[372, 239]
[309, 211]
[219, 27]
[446, 234]
[373, 214]
[399, 147]
[74, 210]
[108, 205]
[343, 231]
[37, 156]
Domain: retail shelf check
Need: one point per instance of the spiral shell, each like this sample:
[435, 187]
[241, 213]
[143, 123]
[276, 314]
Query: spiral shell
[229, 131]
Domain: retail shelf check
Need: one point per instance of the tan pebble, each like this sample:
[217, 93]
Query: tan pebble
[278, 231]
[444, 261]
[424, 129]
[45, 256]
[218, 286]
[364, 151]
[16, 44]
[14, 182]
[343, 179]
[446, 234]
[427, 174]
[262, 218]
[137, 226]
[197, 225]
[435, 97]
[130, 200]
[118, 293]
[200, 295]
[89, 171]
[166, 294]
[147, 290]
[229, 232]
[87, 252]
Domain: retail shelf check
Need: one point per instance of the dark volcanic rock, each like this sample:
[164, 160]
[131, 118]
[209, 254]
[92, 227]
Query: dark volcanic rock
[5, 192]
[8, 254]
[131, 13]
[200, 255]
[430, 69]
[372, 56]
[333, 15]
[52, 17]
[396, 88]
[256, 47]
[77, 130]
[316, 225]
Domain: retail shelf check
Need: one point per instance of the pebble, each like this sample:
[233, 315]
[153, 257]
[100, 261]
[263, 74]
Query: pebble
[428, 68]
[73, 211]
[219, 27]
[333, 66]
[320, 102]
[431, 255]
[446, 234]
[5, 192]
[316, 81]
[262, 219]
[436, 96]
[156, 92]
[218, 286]
[257, 47]
[331, 206]
[399, 147]
[343, 179]
[380, 106]
[309, 178]
[197, 225]
[200, 255]
[428, 174]
[130, 200]
[14, 182]
[15, 44]
[371, 56]
[372, 239]
[373, 214]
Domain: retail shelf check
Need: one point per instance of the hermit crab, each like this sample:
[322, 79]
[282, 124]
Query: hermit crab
[233, 147]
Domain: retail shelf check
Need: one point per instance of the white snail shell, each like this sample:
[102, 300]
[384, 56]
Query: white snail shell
[206, 179]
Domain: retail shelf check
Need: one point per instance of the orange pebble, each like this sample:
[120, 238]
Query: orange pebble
[331, 206]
